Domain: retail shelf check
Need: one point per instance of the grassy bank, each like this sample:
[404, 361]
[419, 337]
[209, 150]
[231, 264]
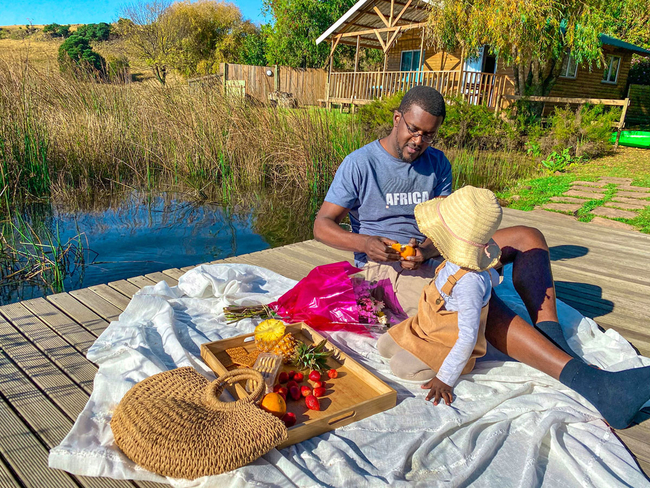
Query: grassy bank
[529, 193]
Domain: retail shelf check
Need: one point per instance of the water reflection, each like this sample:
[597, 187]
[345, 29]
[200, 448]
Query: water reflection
[136, 233]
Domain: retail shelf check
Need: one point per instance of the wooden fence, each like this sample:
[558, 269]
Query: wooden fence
[477, 88]
[639, 111]
[306, 85]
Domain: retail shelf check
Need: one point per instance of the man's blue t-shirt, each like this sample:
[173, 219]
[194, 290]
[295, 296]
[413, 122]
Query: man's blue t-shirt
[382, 191]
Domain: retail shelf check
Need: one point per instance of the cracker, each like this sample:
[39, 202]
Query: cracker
[248, 360]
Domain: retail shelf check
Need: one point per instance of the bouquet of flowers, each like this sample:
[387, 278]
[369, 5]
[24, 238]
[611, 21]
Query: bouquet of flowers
[328, 298]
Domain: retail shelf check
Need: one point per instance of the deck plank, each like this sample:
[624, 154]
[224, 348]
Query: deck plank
[156, 277]
[124, 287]
[111, 295]
[141, 281]
[97, 304]
[7, 479]
[52, 345]
[72, 307]
[67, 328]
[174, 273]
[26, 455]
[42, 417]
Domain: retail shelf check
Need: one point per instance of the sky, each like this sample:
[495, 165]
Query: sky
[21, 12]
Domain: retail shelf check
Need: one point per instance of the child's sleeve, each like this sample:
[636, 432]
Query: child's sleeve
[469, 293]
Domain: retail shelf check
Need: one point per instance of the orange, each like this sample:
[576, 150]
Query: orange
[275, 404]
[404, 251]
[407, 251]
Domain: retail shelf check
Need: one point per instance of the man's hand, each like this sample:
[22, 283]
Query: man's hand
[378, 249]
[423, 251]
[439, 390]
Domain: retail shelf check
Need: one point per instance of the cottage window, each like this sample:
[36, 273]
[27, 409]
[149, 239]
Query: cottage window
[410, 61]
[611, 69]
[569, 67]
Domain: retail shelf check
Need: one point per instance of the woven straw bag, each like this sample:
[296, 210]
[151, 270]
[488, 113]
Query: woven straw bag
[174, 424]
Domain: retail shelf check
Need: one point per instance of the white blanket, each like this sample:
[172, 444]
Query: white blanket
[509, 426]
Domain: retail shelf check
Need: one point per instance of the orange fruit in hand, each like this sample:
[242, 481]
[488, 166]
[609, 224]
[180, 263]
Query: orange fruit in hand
[275, 404]
[407, 251]
[404, 251]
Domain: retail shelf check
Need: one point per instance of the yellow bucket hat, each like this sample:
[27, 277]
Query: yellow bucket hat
[461, 226]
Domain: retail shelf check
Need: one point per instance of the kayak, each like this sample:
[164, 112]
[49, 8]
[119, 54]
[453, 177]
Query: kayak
[633, 138]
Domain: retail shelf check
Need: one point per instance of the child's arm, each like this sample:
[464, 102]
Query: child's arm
[468, 294]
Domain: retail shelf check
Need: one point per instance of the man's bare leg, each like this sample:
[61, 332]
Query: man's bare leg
[526, 249]
[513, 336]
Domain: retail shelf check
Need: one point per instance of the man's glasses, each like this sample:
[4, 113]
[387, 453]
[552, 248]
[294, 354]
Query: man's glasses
[427, 137]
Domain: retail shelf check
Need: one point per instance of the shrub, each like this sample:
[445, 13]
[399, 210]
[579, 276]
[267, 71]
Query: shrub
[585, 132]
[76, 56]
[639, 71]
[95, 32]
[376, 118]
[475, 126]
[56, 30]
[117, 69]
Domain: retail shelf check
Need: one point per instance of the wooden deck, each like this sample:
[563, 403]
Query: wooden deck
[46, 378]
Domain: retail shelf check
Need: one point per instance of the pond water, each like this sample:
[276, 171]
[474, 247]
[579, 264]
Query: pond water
[138, 233]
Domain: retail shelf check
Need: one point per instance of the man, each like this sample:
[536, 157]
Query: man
[379, 185]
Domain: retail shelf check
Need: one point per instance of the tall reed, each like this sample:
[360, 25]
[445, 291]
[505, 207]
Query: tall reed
[82, 133]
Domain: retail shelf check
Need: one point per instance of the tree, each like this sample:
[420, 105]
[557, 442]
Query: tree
[532, 36]
[291, 40]
[190, 37]
[56, 30]
[95, 32]
[76, 55]
[253, 47]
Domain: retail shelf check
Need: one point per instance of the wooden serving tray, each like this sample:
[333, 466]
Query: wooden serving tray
[354, 395]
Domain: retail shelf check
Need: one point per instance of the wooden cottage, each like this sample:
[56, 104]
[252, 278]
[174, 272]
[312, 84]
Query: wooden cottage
[398, 28]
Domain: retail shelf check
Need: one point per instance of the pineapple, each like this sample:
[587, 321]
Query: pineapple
[268, 333]
[286, 347]
[311, 357]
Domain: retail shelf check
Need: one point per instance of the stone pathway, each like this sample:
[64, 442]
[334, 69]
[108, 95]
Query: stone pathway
[626, 203]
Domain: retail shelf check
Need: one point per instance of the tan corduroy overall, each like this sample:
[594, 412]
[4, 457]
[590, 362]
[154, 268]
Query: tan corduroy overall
[433, 331]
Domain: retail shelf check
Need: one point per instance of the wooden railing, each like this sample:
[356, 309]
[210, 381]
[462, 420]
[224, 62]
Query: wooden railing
[477, 88]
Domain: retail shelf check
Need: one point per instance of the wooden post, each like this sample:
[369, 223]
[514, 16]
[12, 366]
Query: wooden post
[225, 76]
[354, 77]
[462, 69]
[421, 51]
[276, 78]
[621, 123]
[328, 104]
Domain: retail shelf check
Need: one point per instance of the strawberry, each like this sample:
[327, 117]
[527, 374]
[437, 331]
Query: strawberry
[292, 373]
[284, 377]
[314, 376]
[305, 391]
[291, 383]
[289, 419]
[294, 392]
[319, 384]
[277, 387]
[298, 377]
[283, 391]
[332, 373]
[312, 403]
[319, 392]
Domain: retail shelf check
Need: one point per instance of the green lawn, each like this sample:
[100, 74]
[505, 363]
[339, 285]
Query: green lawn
[626, 163]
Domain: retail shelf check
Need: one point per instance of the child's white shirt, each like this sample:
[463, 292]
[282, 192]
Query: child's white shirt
[470, 294]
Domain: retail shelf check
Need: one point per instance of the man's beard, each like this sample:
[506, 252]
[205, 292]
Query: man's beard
[406, 157]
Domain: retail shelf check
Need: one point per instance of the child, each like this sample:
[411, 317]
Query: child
[444, 338]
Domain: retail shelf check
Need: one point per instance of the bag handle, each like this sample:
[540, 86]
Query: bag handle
[213, 390]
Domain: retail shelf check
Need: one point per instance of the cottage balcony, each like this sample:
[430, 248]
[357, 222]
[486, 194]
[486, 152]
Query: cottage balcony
[358, 88]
